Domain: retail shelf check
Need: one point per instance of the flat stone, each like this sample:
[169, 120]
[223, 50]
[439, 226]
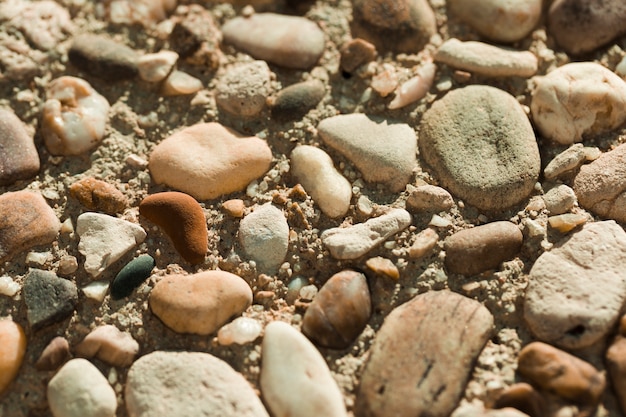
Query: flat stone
[182, 218]
[179, 83]
[12, 350]
[132, 276]
[577, 101]
[79, 389]
[355, 241]
[49, 299]
[315, 170]
[429, 198]
[208, 160]
[105, 239]
[235, 207]
[55, 354]
[567, 222]
[103, 57]
[384, 151]
[19, 159]
[576, 291]
[339, 312]
[295, 101]
[199, 303]
[244, 88]
[110, 345]
[418, 369]
[99, 195]
[183, 384]
[559, 199]
[295, 379]
[287, 41]
[264, 236]
[580, 26]
[355, 53]
[475, 250]
[26, 220]
[480, 145]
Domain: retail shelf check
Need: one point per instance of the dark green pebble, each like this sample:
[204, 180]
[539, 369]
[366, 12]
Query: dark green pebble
[131, 276]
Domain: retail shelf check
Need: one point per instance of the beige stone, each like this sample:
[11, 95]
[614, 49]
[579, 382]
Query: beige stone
[110, 345]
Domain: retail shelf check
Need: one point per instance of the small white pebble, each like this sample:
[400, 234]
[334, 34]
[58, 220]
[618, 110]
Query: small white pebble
[96, 290]
[242, 330]
[8, 287]
[136, 161]
[438, 221]
[155, 67]
[38, 258]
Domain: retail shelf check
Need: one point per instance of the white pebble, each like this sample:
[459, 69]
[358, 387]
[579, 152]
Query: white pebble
[96, 290]
[415, 88]
[242, 330]
[155, 67]
[8, 287]
[438, 221]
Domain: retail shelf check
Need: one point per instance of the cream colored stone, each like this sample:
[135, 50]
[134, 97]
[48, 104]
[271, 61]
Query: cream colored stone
[155, 67]
[110, 345]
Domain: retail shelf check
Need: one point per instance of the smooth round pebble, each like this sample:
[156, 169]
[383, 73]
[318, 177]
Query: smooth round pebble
[244, 88]
[12, 350]
[19, 159]
[99, 195]
[264, 236]
[179, 83]
[242, 330]
[132, 276]
[384, 267]
[295, 101]
[110, 345]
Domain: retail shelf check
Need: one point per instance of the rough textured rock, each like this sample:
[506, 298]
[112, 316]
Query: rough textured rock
[422, 369]
[55, 354]
[182, 384]
[48, 298]
[12, 351]
[576, 291]
[99, 195]
[132, 276]
[481, 146]
[103, 57]
[110, 345]
[19, 159]
[559, 199]
[294, 101]
[244, 88]
[264, 236]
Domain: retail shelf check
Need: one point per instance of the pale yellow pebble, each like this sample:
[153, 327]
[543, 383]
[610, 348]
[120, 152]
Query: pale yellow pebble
[383, 266]
[12, 350]
[180, 83]
[566, 222]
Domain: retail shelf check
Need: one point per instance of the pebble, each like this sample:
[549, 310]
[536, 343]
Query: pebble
[559, 372]
[414, 88]
[132, 276]
[577, 101]
[12, 350]
[601, 185]
[240, 331]
[99, 195]
[110, 345]
[566, 222]
[386, 81]
[264, 237]
[19, 159]
[182, 218]
[569, 160]
[429, 198]
[196, 36]
[243, 89]
[394, 25]
[616, 365]
[49, 299]
[74, 116]
[288, 41]
[103, 57]
[383, 150]
[179, 83]
[199, 303]
[499, 20]
[576, 290]
[295, 380]
[156, 67]
[105, 239]
[580, 27]
[79, 389]
[425, 242]
[383, 266]
[208, 160]
[339, 312]
[481, 146]
[355, 53]
[295, 101]
[96, 290]
[55, 354]
[559, 199]
[523, 397]
[418, 369]
[234, 208]
[142, 12]
[354, 241]
[481, 248]
[9, 287]
[183, 384]
[314, 169]
[488, 60]
[473, 410]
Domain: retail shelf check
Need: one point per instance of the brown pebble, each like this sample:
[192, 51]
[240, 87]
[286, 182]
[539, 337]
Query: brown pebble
[99, 195]
[182, 219]
[234, 207]
[356, 53]
[523, 397]
[54, 355]
[19, 159]
[383, 266]
[616, 365]
[103, 57]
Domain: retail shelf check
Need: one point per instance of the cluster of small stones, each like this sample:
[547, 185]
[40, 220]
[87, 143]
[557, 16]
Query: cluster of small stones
[387, 215]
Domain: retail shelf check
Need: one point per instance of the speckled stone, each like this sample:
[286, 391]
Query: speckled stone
[99, 195]
[103, 57]
[19, 159]
[132, 276]
[49, 299]
[244, 88]
[12, 351]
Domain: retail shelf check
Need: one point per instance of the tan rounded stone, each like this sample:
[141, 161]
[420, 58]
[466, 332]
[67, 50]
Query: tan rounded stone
[12, 350]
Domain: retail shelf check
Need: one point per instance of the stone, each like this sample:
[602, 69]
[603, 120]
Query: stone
[242, 330]
[183, 384]
[559, 199]
[415, 88]
[142, 12]
[96, 290]
[264, 237]
[110, 345]
[99, 195]
[429, 198]
[575, 291]
[8, 286]
[132, 276]
[55, 354]
[288, 41]
[474, 410]
[384, 267]
[295, 379]
[235, 207]
[386, 81]
[615, 360]
[354, 241]
[422, 368]
[199, 303]
[315, 170]
[78, 390]
[26, 221]
[156, 67]
[19, 159]
[488, 60]
[103, 57]
[499, 20]
[480, 145]
[355, 53]
[384, 151]
[566, 222]
[12, 350]
[244, 88]
[601, 185]
[581, 26]
[195, 33]
[424, 242]
[481, 248]
[394, 25]
[570, 160]
[182, 218]
[49, 299]
[523, 397]
[577, 101]
[339, 312]
[208, 160]
[295, 101]
[105, 239]
[179, 83]
[559, 372]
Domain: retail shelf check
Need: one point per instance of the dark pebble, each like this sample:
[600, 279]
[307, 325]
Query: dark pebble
[131, 276]
[49, 299]
[293, 102]
[103, 57]
[356, 53]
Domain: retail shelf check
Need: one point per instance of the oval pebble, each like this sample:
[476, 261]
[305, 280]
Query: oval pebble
[429, 198]
[244, 88]
[55, 354]
[103, 57]
[559, 199]
[110, 345]
[12, 351]
[295, 101]
[242, 330]
[339, 312]
[179, 83]
[19, 159]
[132, 276]
[264, 236]
[99, 195]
